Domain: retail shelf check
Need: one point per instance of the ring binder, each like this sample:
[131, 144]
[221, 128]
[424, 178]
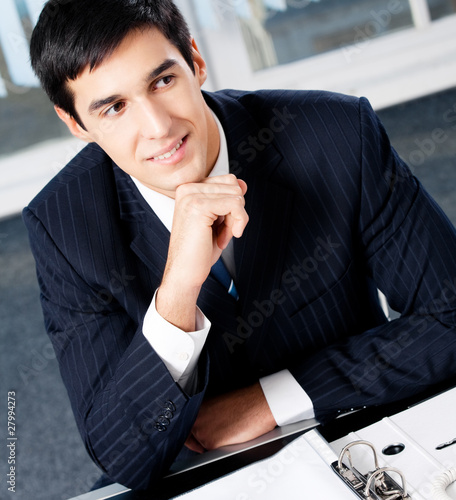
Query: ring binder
[376, 484]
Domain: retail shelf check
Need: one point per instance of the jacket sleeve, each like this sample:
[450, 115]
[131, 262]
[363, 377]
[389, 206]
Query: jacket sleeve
[408, 248]
[132, 416]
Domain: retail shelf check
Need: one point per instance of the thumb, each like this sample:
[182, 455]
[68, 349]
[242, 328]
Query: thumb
[243, 186]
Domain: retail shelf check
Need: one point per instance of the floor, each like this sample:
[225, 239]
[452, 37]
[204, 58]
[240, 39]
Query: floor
[51, 462]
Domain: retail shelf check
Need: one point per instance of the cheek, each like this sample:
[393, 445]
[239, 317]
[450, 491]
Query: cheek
[189, 106]
[117, 149]
[110, 132]
[116, 142]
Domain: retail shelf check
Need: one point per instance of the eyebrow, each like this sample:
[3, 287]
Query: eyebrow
[164, 66]
[96, 105]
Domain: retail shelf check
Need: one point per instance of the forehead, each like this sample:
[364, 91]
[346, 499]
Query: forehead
[126, 70]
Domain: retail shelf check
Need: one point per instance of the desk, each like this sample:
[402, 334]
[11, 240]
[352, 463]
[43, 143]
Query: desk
[175, 485]
[182, 482]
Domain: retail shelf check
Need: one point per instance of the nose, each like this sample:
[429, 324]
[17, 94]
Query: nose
[153, 119]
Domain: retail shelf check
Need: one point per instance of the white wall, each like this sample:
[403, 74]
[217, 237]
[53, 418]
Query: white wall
[24, 174]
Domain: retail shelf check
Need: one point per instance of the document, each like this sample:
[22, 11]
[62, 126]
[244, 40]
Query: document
[300, 470]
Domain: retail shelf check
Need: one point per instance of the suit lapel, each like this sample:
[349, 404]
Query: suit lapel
[149, 237]
[259, 254]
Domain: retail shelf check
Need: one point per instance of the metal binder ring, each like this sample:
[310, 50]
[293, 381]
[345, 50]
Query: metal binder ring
[345, 451]
[378, 473]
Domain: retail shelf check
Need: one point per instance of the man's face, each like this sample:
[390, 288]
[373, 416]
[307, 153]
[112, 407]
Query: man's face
[144, 107]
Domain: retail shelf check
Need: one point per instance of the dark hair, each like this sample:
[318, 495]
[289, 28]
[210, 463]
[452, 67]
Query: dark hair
[73, 34]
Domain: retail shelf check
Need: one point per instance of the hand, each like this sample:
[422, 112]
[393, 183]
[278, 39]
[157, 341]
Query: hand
[231, 418]
[207, 215]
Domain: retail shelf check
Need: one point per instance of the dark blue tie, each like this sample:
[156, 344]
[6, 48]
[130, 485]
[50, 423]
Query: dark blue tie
[220, 272]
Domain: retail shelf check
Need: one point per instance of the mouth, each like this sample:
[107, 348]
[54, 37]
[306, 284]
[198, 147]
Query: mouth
[169, 153]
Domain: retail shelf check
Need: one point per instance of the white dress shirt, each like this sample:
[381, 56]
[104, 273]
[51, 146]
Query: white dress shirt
[180, 350]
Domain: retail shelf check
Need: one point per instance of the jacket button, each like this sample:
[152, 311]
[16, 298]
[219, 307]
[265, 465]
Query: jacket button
[168, 414]
[162, 420]
[169, 405]
[160, 427]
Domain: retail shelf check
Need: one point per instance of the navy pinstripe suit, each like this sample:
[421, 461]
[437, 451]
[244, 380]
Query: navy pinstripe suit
[334, 213]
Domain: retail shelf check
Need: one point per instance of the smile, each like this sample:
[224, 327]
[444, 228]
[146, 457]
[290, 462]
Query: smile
[169, 153]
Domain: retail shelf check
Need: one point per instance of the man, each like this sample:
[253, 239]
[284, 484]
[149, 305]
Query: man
[155, 349]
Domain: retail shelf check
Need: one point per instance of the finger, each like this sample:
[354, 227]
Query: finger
[217, 209]
[236, 221]
[226, 231]
[231, 226]
[219, 221]
[223, 236]
[243, 186]
[192, 444]
[229, 179]
[189, 190]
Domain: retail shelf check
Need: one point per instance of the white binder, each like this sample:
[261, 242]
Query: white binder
[419, 441]
[397, 458]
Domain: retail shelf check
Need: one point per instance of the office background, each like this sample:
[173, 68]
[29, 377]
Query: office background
[400, 54]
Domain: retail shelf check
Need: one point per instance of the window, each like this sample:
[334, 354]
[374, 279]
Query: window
[441, 8]
[283, 31]
[279, 32]
[23, 105]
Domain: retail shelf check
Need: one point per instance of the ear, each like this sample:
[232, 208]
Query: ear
[199, 64]
[73, 125]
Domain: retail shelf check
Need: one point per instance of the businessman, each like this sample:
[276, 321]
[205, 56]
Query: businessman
[209, 263]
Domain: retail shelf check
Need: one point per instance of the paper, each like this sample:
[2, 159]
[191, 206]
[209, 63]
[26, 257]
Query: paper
[300, 470]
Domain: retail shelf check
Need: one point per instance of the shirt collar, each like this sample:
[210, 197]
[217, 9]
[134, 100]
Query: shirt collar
[163, 205]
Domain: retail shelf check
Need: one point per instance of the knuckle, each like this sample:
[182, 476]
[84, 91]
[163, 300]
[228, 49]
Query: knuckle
[240, 201]
[197, 202]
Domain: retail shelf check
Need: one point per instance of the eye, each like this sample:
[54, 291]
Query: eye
[115, 109]
[164, 82]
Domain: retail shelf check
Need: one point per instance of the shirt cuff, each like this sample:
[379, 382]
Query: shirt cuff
[287, 400]
[179, 350]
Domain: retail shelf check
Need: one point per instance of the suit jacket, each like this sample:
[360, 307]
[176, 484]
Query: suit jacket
[334, 214]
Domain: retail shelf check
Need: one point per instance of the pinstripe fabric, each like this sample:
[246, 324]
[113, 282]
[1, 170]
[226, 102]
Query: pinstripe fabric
[334, 213]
